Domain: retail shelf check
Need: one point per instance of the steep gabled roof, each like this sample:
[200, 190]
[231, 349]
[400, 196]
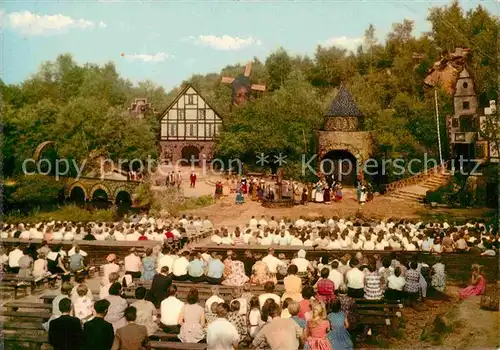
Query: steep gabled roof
[343, 105]
[182, 93]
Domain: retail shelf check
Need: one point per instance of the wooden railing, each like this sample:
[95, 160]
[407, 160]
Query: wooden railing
[417, 178]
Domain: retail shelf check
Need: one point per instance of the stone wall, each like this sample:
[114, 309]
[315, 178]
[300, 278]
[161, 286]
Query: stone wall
[172, 150]
[359, 143]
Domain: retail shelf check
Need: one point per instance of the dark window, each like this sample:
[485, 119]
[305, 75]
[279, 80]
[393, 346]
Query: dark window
[190, 100]
[201, 114]
[465, 85]
[454, 122]
[210, 130]
[180, 114]
[468, 123]
[191, 130]
[466, 105]
[173, 130]
[480, 151]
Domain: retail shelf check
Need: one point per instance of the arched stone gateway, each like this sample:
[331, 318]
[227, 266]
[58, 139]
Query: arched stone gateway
[189, 152]
[77, 194]
[100, 192]
[40, 148]
[342, 164]
[123, 197]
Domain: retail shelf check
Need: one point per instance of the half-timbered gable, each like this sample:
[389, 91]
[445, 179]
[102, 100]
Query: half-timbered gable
[188, 126]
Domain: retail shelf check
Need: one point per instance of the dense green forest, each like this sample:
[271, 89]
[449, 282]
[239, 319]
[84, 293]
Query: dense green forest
[83, 109]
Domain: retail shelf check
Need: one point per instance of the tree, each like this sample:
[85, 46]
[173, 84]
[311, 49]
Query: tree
[278, 66]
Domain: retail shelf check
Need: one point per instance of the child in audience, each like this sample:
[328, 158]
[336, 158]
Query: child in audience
[211, 316]
[82, 304]
[40, 268]
[254, 317]
[238, 320]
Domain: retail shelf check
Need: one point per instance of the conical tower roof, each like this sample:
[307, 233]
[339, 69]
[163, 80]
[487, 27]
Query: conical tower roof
[343, 105]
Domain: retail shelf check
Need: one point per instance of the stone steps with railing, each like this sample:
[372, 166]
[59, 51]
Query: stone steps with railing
[414, 188]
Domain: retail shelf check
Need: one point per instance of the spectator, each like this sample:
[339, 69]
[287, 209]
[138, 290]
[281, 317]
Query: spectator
[25, 265]
[146, 311]
[236, 276]
[55, 261]
[214, 298]
[254, 317]
[284, 311]
[307, 294]
[438, 275]
[317, 329]
[108, 268]
[373, 283]
[293, 310]
[82, 304]
[180, 268]
[132, 336]
[104, 291]
[196, 268]
[76, 261]
[159, 287]
[395, 285]
[335, 275]
[97, 333]
[477, 286]
[65, 332]
[117, 306]
[215, 270]
[325, 287]
[133, 264]
[80, 280]
[148, 265]
[170, 310]
[355, 280]
[412, 285]
[221, 334]
[348, 306]
[339, 336]
[269, 294]
[40, 269]
[279, 333]
[238, 320]
[14, 257]
[293, 284]
[192, 319]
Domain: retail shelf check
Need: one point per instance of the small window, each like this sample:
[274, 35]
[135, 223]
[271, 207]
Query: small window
[202, 114]
[465, 85]
[210, 130]
[466, 105]
[454, 122]
[480, 151]
[191, 130]
[190, 100]
[173, 130]
[180, 114]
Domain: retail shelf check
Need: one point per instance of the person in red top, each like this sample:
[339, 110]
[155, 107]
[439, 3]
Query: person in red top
[192, 178]
[169, 233]
[304, 305]
[143, 237]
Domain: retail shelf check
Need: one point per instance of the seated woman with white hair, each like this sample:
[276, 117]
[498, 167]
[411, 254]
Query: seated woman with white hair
[303, 265]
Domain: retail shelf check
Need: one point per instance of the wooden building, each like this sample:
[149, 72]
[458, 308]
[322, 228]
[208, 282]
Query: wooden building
[188, 128]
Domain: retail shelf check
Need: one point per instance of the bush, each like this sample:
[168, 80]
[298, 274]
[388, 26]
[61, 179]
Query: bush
[69, 212]
[33, 189]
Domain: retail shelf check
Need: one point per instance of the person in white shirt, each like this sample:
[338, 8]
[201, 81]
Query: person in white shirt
[104, 291]
[395, 284]
[266, 240]
[216, 237]
[272, 262]
[26, 234]
[222, 334]
[303, 265]
[355, 280]
[214, 298]
[269, 294]
[14, 257]
[335, 275]
[253, 222]
[180, 267]
[226, 239]
[72, 251]
[273, 224]
[369, 245]
[170, 310]
[165, 259]
[133, 264]
[109, 268]
[296, 241]
[263, 222]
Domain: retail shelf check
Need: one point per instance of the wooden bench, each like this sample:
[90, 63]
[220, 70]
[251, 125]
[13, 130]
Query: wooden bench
[29, 283]
[14, 306]
[385, 313]
[174, 345]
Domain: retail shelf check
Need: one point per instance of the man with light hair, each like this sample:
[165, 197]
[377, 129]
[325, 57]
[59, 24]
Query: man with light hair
[301, 262]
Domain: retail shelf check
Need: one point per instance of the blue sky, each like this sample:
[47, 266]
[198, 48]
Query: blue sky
[168, 41]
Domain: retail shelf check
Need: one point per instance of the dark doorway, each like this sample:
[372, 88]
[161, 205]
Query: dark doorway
[463, 157]
[100, 195]
[77, 195]
[342, 165]
[190, 152]
[123, 198]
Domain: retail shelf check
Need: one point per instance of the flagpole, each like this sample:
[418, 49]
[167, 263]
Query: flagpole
[437, 126]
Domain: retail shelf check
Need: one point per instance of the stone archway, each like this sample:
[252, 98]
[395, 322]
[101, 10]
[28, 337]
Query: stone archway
[100, 193]
[189, 152]
[77, 194]
[342, 164]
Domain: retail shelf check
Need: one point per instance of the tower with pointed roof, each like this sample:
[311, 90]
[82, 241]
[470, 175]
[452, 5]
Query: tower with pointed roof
[343, 147]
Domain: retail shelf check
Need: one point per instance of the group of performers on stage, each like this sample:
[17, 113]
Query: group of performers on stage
[326, 190]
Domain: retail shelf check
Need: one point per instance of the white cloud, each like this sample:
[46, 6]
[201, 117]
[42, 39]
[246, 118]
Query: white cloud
[33, 24]
[157, 57]
[344, 42]
[226, 42]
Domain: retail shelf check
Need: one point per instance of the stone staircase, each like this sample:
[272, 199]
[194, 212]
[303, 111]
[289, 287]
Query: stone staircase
[414, 189]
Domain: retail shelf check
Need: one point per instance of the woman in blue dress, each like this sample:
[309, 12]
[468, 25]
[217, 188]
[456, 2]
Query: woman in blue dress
[339, 336]
[148, 266]
[239, 197]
